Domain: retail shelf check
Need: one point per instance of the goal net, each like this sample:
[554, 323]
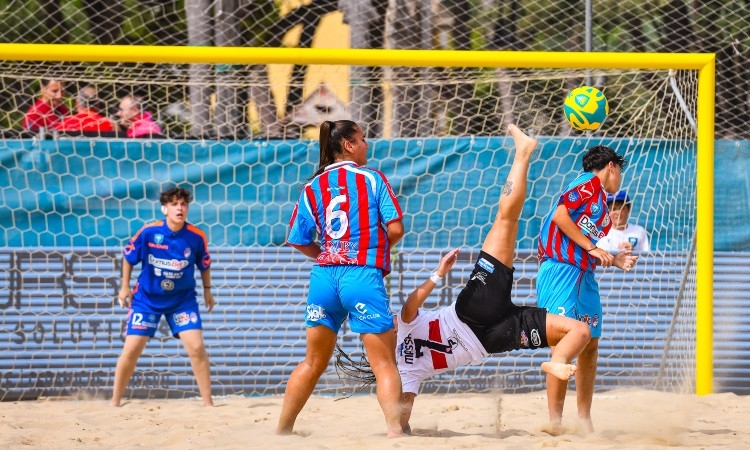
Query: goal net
[69, 204]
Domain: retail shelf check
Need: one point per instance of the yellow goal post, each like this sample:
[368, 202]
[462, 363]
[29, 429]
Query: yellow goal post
[704, 64]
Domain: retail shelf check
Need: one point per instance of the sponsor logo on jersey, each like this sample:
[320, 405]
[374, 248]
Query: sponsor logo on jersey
[606, 221]
[339, 246]
[486, 265]
[455, 338]
[158, 246]
[181, 318]
[481, 276]
[186, 253]
[315, 313]
[407, 349]
[171, 275]
[592, 321]
[587, 190]
[171, 264]
[536, 341]
[167, 285]
[129, 248]
[587, 225]
[572, 196]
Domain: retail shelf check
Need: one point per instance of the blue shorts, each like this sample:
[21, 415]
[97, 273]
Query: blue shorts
[566, 290]
[143, 321]
[356, 292]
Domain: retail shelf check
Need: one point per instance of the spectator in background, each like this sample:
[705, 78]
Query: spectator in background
[623, 235]
[87, 118]
[49, 109]
[136, 122]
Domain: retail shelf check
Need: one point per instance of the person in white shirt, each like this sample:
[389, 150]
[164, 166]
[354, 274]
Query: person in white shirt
[623, 235]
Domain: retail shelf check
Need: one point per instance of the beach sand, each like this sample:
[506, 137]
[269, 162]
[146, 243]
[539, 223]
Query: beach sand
[623, 419]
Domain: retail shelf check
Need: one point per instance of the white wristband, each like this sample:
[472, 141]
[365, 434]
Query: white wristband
[435, 278]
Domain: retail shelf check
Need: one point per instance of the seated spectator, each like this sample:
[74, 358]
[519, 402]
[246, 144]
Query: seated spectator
[623, 235]
[87, 117]
[49, 109]
[136, 122]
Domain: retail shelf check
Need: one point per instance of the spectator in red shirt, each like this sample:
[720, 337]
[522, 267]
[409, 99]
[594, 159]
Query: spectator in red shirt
[135, 121]
[87, 117]
[49, 109]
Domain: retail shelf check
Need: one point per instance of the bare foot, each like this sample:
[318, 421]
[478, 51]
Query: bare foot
[524, 143]
[585, 426]
[560, 370]
[396, 434]
[553, 429]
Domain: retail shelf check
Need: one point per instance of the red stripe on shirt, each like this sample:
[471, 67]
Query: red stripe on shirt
[313, 207]
[363, 202]
[438, 359]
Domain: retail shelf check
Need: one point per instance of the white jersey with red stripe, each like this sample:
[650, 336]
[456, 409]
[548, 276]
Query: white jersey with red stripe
[436, 341]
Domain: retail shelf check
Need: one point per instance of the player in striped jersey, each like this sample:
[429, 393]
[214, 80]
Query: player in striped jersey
[568, 256]
[168, 251]
[355, 214]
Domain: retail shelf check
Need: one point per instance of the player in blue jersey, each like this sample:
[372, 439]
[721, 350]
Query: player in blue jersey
[568, 256]
[168, 250]
[354, 212]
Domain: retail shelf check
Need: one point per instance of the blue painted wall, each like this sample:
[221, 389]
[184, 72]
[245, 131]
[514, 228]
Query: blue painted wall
[99, 192]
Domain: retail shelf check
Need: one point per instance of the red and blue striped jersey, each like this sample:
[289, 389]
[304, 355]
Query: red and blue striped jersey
[168, 261]
[586, 201]
[349, 207]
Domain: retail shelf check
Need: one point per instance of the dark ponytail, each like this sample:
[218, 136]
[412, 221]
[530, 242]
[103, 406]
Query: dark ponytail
[332, 135]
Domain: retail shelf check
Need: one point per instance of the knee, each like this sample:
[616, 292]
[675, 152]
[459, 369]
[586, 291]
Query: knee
[197, 351]
[592, 348]
[584, 331]
[316, 364]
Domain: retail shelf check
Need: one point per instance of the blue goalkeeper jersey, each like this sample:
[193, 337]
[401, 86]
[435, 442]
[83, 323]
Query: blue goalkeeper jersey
[586, 202]
[349, 207]
[168, 261]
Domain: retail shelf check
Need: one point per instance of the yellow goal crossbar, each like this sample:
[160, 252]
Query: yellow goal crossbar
[704, 63]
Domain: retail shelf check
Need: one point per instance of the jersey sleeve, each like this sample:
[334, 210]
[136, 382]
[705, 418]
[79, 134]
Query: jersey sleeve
[133, 250]
[203, 256]
[645, 246]
[390, 210]
[302, 224]
[578, 195]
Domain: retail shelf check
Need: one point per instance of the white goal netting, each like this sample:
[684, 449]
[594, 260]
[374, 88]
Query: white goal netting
[69, 203]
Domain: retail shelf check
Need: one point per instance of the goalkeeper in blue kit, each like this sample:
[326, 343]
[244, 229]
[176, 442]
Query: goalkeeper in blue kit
[168, 250]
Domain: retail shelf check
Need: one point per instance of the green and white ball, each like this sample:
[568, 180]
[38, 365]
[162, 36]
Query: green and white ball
[586, 108]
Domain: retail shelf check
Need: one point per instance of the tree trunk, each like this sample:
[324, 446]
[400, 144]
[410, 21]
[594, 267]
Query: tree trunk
[366, 20]
[228, 113]
[199, 34]
[409, 27]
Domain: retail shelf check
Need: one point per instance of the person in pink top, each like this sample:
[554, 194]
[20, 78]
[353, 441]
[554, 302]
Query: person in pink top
[49, 109]
[135, 121]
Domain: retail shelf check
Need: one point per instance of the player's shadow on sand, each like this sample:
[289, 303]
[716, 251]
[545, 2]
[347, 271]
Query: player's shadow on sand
[431, 432]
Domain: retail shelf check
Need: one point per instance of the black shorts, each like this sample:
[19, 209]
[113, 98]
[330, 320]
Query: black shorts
[486, 307]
